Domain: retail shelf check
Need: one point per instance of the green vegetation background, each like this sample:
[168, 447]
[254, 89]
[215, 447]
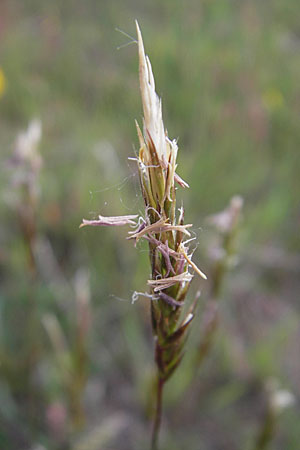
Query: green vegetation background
[228, 73]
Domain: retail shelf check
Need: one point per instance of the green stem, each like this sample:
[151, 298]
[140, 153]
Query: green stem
[266, 432]
[158, 413]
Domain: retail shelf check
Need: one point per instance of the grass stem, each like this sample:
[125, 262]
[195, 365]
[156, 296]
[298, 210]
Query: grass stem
[158, 413]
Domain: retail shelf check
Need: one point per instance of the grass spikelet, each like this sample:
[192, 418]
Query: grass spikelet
[164, 231]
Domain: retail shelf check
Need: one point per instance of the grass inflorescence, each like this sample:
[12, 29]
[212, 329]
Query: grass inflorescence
[172, 268]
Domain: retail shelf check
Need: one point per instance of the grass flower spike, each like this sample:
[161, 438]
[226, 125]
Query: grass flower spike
[163, 228]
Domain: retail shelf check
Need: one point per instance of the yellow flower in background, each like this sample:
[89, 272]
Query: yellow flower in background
[273, 99]
[2, 82]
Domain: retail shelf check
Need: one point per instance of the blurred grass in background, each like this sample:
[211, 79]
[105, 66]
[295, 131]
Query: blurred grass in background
[228, 73]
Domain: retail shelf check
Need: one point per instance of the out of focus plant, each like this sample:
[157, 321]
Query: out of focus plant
[277, 401]
[70, 346]
[22, 196]
[164, 230]
[2, 82]
[70, 355]
[223, 257]
[25, 165]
